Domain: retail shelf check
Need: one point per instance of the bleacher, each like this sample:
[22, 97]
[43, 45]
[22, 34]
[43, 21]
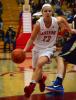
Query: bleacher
[10, 13]
[10, 16]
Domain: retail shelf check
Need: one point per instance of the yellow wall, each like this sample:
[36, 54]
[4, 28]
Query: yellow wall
[36, 1]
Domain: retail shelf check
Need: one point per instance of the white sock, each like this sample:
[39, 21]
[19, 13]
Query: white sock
[59, 75]
[33, 81]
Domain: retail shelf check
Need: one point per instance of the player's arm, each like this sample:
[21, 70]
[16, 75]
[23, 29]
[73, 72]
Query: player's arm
[35, 31]
[63, 24]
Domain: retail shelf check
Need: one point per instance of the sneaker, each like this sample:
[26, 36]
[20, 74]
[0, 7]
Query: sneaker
[42, 84]
[55, 88]
[29, 89]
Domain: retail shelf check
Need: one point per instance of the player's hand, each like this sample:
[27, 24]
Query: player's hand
[24, 51]
[74, 31]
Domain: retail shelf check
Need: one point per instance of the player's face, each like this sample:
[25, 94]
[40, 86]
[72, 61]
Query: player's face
[47, 12]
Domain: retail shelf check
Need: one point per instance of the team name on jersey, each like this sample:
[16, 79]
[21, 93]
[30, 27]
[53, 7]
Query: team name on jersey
[48, 32]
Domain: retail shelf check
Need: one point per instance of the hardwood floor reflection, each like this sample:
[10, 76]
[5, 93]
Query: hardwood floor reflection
[48, 96]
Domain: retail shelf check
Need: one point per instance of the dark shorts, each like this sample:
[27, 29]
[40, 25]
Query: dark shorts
[69, 56]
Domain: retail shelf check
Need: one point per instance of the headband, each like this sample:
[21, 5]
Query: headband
[46, 5]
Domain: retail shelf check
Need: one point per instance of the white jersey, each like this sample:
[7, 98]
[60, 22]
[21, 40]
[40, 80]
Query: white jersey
[46, 38]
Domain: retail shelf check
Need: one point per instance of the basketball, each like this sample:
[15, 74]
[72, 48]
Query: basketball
[18, 56]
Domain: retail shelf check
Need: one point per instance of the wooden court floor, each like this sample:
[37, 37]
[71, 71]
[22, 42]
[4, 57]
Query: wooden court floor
[12, 80]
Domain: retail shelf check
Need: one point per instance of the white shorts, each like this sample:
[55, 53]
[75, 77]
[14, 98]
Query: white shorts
[36, 53]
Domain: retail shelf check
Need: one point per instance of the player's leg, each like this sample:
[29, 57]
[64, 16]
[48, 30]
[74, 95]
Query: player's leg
[42, 78]
[61, 70]
[40, 57]
[36, 76]
[38, 62]
[70, 57]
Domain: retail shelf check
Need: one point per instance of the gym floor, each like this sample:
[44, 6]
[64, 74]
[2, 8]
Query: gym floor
[13, 78]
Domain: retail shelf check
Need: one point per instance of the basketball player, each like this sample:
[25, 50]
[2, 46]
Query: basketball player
[67, 54]
[44, 38]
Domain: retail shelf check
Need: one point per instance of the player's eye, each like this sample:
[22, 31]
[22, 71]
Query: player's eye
[47, 11]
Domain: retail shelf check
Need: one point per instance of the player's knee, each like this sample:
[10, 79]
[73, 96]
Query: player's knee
[40, 64]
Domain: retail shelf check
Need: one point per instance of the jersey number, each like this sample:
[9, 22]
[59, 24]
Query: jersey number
[46, 38]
